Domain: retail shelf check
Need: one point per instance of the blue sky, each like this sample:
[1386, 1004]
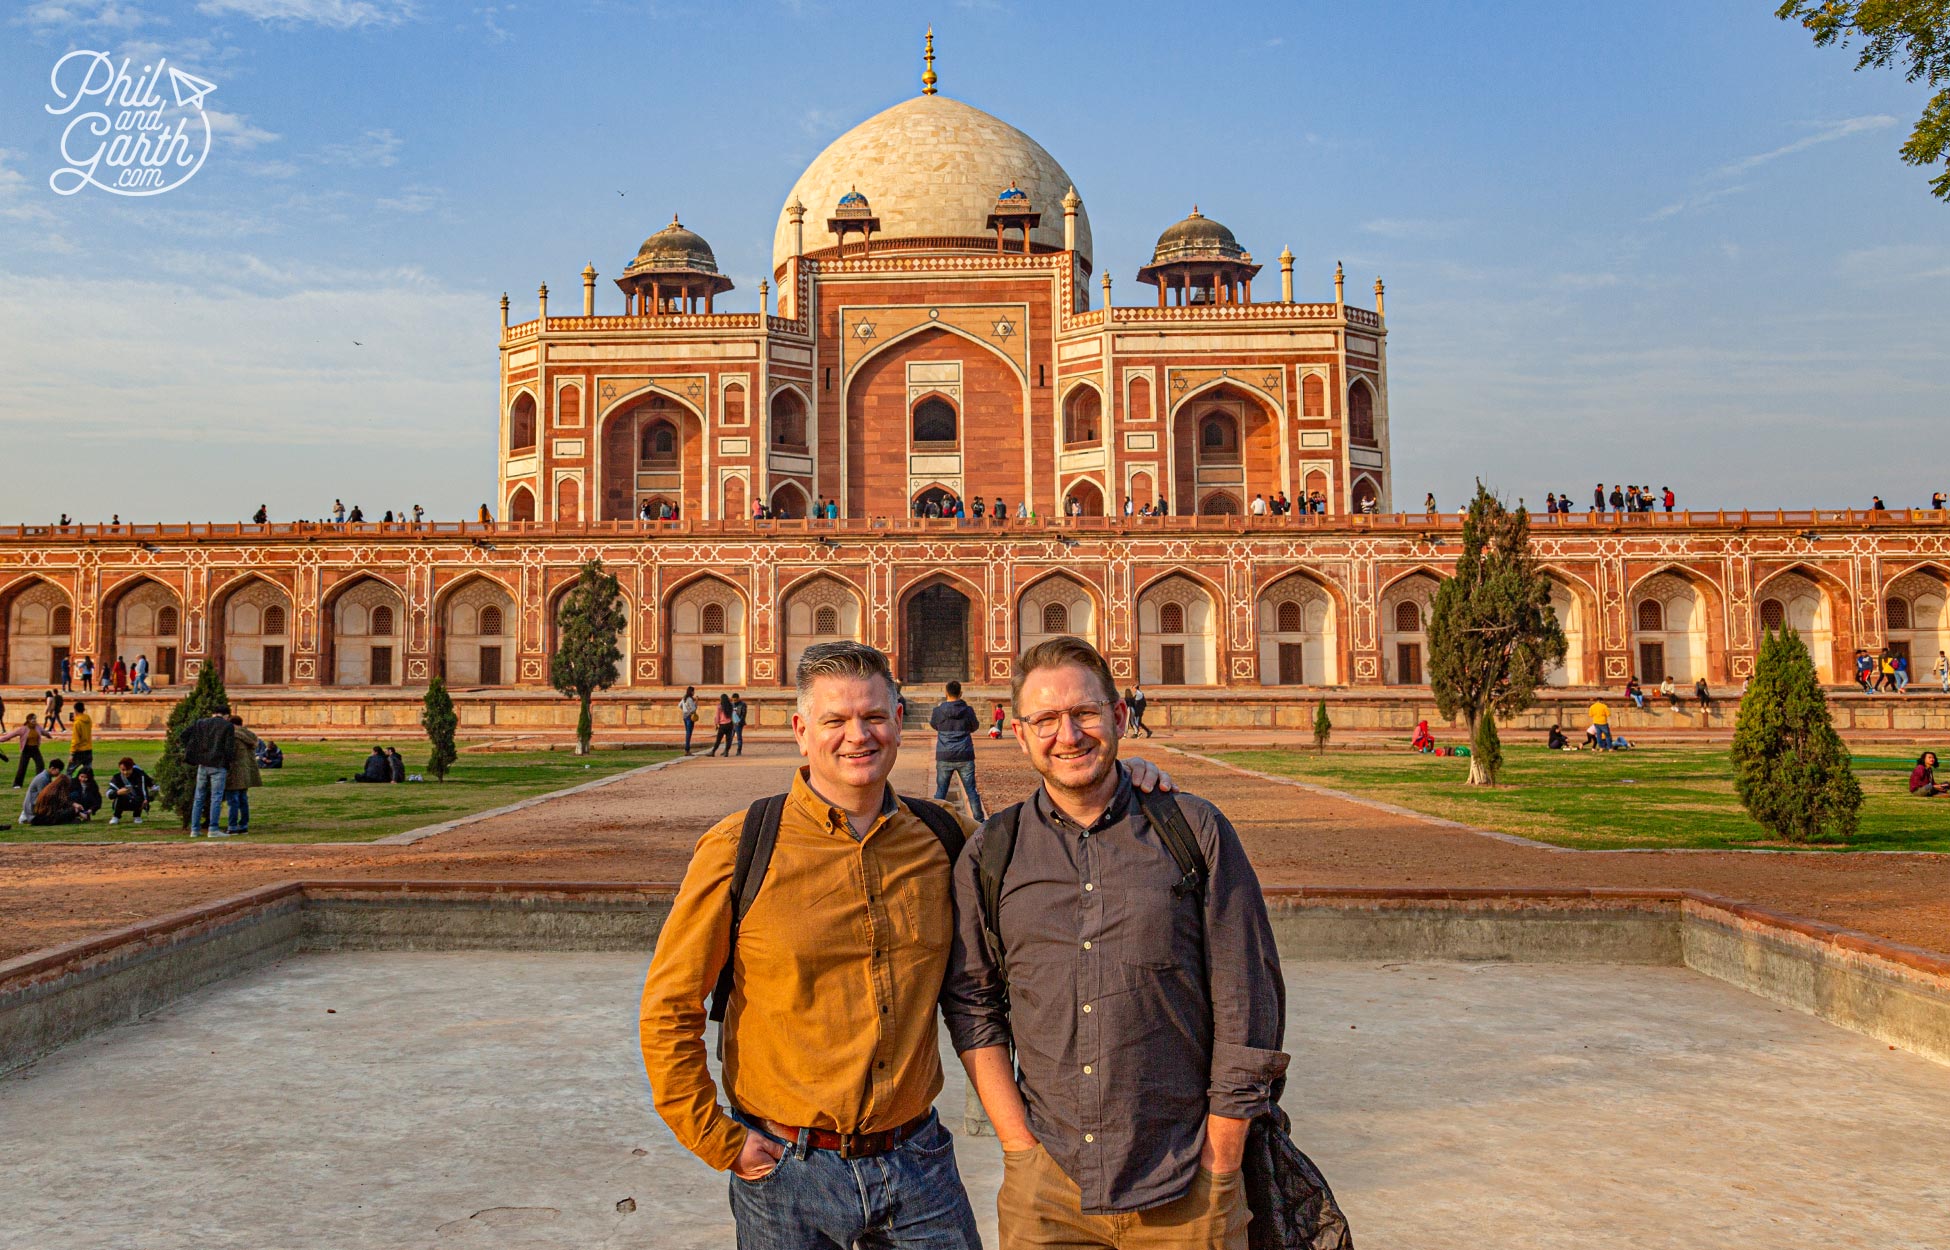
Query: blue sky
[1668, 243]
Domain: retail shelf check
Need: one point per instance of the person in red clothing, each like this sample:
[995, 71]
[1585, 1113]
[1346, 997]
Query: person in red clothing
[995, 726]
[1922, 781]
[1424, 740]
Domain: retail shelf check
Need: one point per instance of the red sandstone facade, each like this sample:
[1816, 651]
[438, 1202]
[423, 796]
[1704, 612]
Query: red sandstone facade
[937, 336]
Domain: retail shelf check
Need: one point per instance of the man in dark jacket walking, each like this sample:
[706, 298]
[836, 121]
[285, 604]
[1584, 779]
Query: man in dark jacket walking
[954, 727]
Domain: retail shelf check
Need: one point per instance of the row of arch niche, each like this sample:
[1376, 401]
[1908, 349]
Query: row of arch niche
[1916, 612]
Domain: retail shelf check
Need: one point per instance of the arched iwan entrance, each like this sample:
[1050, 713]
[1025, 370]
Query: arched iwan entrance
[935, 643]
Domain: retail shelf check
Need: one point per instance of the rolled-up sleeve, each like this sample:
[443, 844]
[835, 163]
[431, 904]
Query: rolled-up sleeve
[1248, 991]
[974, 997]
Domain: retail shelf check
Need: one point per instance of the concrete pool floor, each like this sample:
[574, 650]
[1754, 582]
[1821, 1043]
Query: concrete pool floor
[497, 1100]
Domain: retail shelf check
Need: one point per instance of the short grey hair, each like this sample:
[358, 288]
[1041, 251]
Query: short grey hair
[841, 659]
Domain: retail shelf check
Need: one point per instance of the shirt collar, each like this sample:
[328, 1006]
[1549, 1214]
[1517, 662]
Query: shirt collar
[1120, 802]
[832, 819]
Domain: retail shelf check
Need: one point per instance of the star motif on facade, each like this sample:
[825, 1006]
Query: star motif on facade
[609, 391]
[1271, 381]
[863, 330]
[1004, 327]
[694, 390]
[1177, 383]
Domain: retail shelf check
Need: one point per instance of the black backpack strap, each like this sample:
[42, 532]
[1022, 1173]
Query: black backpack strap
[755, 843]
[941, 822]
[1169, 820]
[998, 848]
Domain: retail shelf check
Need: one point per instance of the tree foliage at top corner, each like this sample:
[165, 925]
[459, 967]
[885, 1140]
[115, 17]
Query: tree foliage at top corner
[1911, 34]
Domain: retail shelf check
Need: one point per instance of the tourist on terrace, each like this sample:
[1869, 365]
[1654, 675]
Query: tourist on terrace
[1428, 503]
[1671, 693]
[1901, 663]
[1259, 505]
[1875, 503]
[1635, 693]
[139, 675]
[377, 769]
[687, 706]
[1705, 696]
[1667, 495]
[261, 516]
[1598, 499]
[1000, 511]
[338, 511]
[67, 673]
[1550, 504]
[1922, 781]
[1942, 671]
[486, 517]
[1864, 670]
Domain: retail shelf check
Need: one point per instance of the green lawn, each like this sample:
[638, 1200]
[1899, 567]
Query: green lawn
[1648, 797]
[305, 802]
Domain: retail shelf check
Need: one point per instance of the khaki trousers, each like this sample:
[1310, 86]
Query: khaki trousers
[1039, 1206]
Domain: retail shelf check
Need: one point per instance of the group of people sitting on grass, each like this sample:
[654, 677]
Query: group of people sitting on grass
[383, 765]
[60, 796]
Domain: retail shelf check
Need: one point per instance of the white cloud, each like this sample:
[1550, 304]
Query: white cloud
[337, 14]
[1825, 132]
[17, 202]
[236, 131]
[1695, 202]
[413, 200]
[374, 147]
[50, 15]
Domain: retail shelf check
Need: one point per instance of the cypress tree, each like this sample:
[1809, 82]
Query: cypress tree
[586, 654]
[1322, 726]
[175, 776]
[1484, 745]
[440, 721]
[1790, 768]
[1492, 632]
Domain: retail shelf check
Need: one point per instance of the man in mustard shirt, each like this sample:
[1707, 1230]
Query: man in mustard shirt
[81, 739]
[1601, 719]
[830, 1059]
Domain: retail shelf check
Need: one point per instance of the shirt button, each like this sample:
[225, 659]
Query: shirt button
[1086, 1009]
[1086, 1069]
[1089, 1137]
[1089, 886]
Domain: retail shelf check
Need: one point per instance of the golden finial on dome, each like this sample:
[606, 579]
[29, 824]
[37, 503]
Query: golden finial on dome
[928, 78]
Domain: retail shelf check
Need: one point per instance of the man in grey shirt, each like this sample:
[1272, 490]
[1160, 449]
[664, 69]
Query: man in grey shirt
[1144, 1004]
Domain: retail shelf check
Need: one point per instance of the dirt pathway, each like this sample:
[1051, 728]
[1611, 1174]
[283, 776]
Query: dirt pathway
[643, 831]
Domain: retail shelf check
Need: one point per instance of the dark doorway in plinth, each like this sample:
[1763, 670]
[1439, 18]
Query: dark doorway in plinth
[937, 635]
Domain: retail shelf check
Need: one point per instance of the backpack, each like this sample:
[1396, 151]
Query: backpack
[1292, 1206]
[756, 842]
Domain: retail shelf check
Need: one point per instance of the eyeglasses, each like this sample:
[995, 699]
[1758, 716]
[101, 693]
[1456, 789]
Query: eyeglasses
[1086, 716]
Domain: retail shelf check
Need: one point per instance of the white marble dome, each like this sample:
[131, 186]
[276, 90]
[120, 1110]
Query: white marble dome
[930, 166]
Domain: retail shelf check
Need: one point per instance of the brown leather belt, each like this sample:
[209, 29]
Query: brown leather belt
[852, 1145]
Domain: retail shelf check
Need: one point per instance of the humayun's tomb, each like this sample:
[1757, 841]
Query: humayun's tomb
[943, 328]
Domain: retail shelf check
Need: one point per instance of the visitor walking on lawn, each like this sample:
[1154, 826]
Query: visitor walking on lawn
[81, 738]
[51, 713]
[29, 737]
[954, 725]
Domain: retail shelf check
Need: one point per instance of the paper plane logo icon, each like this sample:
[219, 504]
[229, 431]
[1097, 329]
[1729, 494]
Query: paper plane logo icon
[189, 89]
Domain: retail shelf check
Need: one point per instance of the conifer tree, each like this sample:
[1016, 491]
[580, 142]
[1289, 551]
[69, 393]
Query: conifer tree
[1790, 768]
[438, 717]
[175, 776]
[1492, 632]
[586, 654]
[1322, 727]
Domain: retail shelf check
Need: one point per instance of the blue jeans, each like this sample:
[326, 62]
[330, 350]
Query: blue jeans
[209, 786]
[910, 1198]
[1604, 737]
[240, 809]
[965, 769]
